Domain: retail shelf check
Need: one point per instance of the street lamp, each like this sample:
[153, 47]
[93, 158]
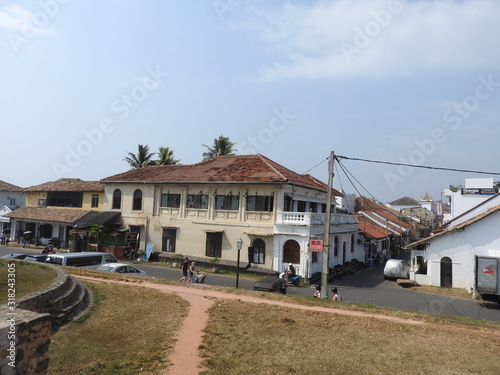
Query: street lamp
[239, 242]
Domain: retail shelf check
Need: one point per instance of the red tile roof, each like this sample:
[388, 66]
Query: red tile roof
[67, 184]
[50, 214]
[223, 169]
[370, 229]
[5, 186]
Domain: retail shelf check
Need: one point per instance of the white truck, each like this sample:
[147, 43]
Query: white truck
[487, 280]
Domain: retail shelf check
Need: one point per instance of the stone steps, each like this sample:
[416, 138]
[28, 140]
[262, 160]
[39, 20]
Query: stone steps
[65, 300]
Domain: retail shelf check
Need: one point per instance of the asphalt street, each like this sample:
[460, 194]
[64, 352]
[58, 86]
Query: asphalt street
[365, 286]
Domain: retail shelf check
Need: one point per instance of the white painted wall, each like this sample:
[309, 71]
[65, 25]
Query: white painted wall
[480, 238]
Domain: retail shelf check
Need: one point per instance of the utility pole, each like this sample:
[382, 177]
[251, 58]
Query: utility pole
[326, 236]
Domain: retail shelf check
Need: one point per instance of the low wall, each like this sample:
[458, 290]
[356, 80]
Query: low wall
[25, 331]
[24, 342]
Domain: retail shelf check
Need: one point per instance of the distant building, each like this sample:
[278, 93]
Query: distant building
[53, 208]
[11, 197]
[462, 199]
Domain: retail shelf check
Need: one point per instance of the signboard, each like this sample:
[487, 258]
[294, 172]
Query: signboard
[316, 245]
[479, 191]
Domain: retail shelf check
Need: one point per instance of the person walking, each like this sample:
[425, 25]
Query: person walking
[184, 268]
[336, 295]
[192, 271]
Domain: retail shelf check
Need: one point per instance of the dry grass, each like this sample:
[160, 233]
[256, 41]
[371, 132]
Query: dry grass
[130, 330]
[245, 338]
[29, 278]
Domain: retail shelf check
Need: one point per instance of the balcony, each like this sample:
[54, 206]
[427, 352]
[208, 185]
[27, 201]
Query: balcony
[306, 219]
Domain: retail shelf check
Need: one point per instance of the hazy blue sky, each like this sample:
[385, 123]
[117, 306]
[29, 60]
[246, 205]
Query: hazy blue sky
[83, 82]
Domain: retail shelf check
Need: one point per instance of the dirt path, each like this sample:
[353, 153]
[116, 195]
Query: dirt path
[185, 359]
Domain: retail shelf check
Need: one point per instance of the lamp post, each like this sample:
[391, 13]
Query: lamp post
[239, 242]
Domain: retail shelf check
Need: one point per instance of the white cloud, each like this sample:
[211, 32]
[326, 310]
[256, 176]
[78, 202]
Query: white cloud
[374, 38]
[17, 19]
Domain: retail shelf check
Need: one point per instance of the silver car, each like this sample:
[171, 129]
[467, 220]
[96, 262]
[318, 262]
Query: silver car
[121, 268]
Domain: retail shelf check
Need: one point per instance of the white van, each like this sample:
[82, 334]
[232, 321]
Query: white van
[90, 259]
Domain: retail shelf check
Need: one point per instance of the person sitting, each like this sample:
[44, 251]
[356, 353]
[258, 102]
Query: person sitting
[336, 295]
[317, 293]
[291, 271]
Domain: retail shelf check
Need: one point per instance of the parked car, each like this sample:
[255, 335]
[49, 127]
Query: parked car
[121, 268]
[397, 269]
[15, 256]
[36, 258]
[271, 284]
[89, 259]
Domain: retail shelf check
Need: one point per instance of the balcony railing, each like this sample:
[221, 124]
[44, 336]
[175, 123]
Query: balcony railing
[306, 218]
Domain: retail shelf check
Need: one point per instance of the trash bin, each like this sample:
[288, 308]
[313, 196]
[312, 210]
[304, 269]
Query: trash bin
[369, 262]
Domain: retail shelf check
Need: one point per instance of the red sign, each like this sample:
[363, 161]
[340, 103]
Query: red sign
[488, 271]
[316, 245]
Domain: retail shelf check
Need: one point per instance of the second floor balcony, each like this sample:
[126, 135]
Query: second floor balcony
[308, 219]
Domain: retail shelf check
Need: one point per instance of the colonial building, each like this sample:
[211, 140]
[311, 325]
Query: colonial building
[228, 208]
[53, 208]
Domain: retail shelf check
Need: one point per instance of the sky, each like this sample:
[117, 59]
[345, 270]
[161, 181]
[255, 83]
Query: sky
[82, 83]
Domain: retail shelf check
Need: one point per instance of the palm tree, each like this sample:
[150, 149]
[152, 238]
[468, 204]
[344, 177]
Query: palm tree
[141, 159]
[166, 157]
[221, 146]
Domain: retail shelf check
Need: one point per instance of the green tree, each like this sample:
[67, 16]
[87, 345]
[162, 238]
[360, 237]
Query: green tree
[141, 159]
[222, 146]
[166, 157]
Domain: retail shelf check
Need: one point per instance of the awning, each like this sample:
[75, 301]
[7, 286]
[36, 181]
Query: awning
[96, 218]
[258, 234]
[47, 214]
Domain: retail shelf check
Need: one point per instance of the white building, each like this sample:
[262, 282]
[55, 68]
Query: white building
[476, 190]
[448, 258]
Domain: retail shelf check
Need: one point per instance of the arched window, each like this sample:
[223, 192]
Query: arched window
[291, 252]
[137, 201]
[258, 251]
[117, 199]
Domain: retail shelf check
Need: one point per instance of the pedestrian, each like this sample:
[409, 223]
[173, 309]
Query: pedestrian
[192, 271]
[336, 295]
[317, 293]
[2, 238]
[184, 268]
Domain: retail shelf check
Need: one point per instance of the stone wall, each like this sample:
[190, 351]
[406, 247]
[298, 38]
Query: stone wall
[24, 342]
[25, 331]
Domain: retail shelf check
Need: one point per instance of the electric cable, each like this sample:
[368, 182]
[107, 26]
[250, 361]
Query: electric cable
[416, 165]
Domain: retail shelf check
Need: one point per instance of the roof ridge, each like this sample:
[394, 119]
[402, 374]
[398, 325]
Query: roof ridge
[267, 162]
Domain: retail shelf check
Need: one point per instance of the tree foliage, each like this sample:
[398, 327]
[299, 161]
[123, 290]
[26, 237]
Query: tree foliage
[221, 146]
[141, 159]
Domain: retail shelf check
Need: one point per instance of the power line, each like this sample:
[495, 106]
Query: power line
[317, 165]
[417, 166]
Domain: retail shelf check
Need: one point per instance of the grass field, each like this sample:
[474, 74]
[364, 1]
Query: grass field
[243, 338]
[29, 277]
[130, 330]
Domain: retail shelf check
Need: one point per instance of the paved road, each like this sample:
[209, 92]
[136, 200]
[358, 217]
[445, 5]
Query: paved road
[366, 286]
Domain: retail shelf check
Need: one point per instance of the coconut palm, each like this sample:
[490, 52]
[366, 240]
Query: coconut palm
[166, 157]
[141, 159]
[221, 146]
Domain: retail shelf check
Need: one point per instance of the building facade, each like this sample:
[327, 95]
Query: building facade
[234, 209]
[52, 208]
